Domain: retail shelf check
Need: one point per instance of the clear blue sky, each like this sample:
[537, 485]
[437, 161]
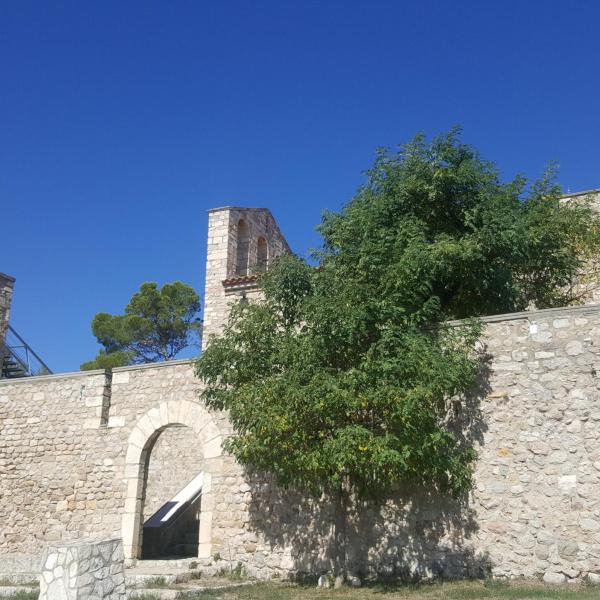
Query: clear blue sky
[121, 123]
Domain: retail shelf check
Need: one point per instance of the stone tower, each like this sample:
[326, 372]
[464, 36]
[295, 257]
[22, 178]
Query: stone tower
[6, 291]
[241, 243]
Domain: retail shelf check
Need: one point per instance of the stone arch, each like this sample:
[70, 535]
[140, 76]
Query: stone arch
[262, 254]
[243, 247]
[139, 444]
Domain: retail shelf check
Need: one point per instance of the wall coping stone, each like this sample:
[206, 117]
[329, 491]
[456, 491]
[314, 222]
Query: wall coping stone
[250, 209]
[155, 365]
[524, 315]
[584, 193]
[542, 313]
[7, 277]
[38, 378]
[71, 374]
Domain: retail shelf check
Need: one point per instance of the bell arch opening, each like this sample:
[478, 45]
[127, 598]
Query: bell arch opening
[170, 457]
[243, 248]
[262, 255]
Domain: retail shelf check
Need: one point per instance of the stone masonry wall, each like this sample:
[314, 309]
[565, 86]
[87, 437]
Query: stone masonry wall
[84, 570]
[55, 465]
[175, 459]
[535, 508]
[6, 291]
[63, 444]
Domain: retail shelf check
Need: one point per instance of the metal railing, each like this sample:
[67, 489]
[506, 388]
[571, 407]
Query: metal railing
[19, 358]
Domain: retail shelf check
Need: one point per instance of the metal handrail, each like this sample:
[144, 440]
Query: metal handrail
[24, 362]
[30, 349]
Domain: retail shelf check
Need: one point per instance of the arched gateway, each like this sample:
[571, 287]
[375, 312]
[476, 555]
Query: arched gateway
[140, 443]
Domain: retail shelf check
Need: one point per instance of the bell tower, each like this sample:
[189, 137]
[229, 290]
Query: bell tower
[241, 244]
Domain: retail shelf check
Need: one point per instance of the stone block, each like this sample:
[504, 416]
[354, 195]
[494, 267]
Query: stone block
[116, 422]
[120, 377]
[71, 570]
[554, 578]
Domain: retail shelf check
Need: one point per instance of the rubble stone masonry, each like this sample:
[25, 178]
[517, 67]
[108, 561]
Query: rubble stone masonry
[6, 291]
[90, 455]
[73, 449]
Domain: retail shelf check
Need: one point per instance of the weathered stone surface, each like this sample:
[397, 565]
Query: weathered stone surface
[223, 261]
[6, 291]
[554, 578]
[87, 568]
[594, 578]
[537, 476]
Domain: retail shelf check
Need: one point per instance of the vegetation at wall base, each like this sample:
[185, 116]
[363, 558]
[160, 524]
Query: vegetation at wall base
[156, 326]
[439, 590]
[340, 381]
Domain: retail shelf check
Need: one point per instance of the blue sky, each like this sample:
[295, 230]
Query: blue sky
[121, 123]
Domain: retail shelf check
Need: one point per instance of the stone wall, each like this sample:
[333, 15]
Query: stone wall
[84, 570]
[56, 467]
[63, 447]
[68, 446]
[535, 508]
[6, 291]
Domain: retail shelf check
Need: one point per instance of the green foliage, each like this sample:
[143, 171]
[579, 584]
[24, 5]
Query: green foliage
[108, 360]
[340, 380]
[341, 393]
[156, 326]
[436, 222]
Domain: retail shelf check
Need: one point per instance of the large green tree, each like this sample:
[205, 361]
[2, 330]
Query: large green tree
[156, 326]
[339, 382]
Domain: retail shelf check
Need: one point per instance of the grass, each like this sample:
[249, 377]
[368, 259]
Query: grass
[464, 590]
[157, 582]
[23, 595]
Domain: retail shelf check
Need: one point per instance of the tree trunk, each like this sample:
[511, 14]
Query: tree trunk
[340, 537]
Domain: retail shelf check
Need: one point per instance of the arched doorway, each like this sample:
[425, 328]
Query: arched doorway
[172, 494]
[146, 437]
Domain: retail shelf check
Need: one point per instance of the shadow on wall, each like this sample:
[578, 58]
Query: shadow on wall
[415, 534]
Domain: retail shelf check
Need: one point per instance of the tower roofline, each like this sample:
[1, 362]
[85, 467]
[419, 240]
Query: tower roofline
[252, 208]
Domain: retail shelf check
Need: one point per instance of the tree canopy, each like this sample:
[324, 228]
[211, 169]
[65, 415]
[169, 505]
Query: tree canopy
[156, 326]
[339, 381]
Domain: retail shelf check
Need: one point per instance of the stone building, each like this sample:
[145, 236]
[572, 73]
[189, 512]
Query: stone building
[241, 242]
[109, 454]
[17, 358]
[6, 291]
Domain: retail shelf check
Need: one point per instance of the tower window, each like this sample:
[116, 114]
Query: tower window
[262, 255]
[243, 244]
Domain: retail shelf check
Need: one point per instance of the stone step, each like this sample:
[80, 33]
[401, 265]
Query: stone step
[192, 591]
[162, 564]
[145, 580]
[12, 590]
[19, 579]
